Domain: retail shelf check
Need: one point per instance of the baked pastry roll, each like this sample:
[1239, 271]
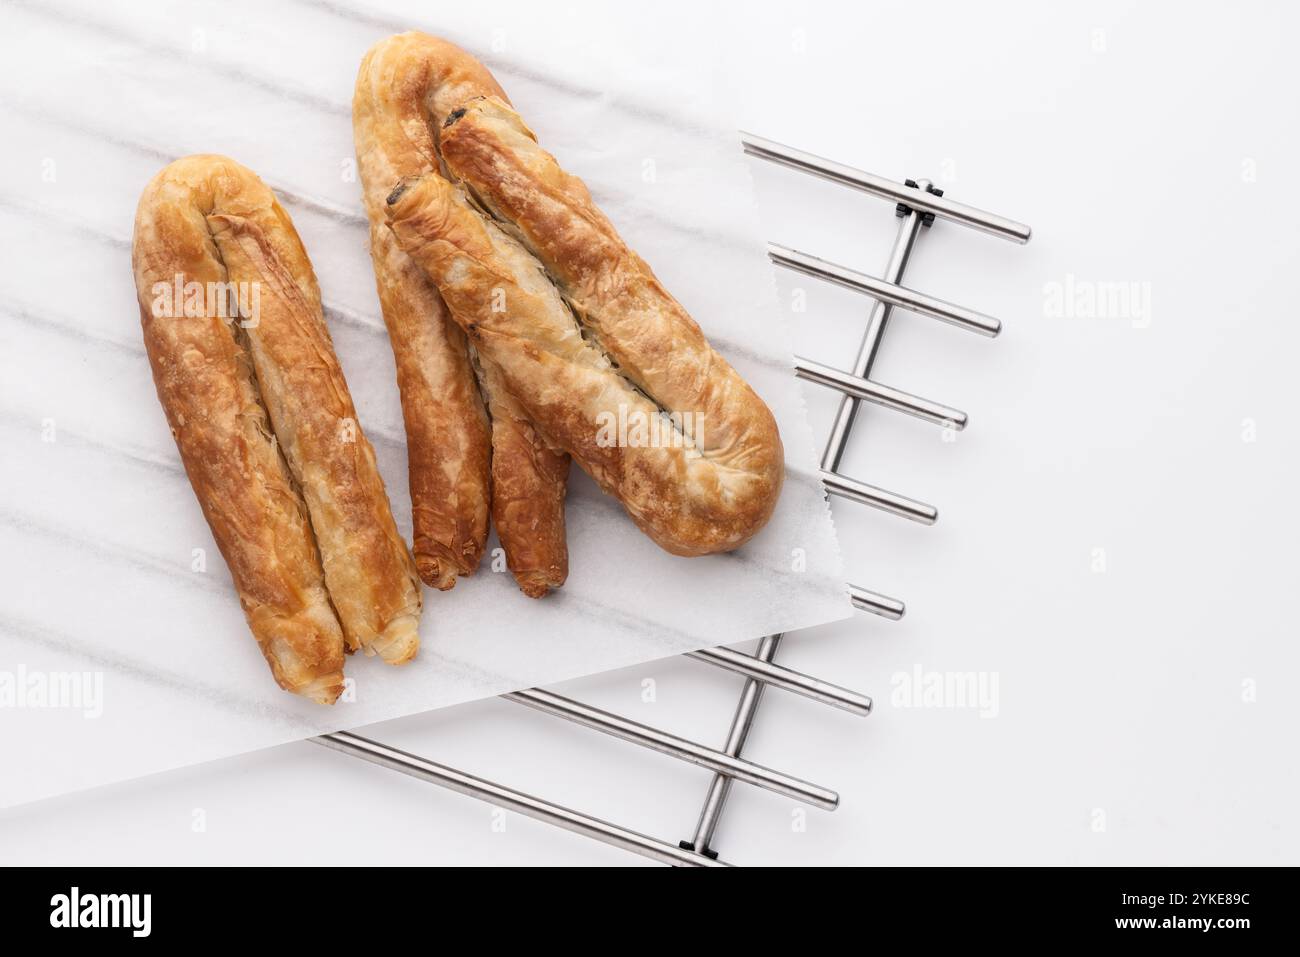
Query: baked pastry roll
[710, 479]
[257, 403]
[466, 461]
[529, 481]
[583, 333]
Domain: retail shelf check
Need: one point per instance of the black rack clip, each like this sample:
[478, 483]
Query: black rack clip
[902, 209]
[707, 852]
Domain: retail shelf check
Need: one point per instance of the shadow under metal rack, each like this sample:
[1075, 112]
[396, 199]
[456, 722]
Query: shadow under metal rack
[918, 204]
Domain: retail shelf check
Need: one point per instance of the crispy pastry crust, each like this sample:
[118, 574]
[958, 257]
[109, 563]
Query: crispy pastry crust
[691, 501]
[529, 479]
[588, 335]
[267, 430]
[404, 85]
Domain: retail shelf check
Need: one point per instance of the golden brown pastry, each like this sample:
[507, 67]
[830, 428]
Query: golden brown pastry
[266, 427]
[529, 479]
[459, 461]
[596, 352]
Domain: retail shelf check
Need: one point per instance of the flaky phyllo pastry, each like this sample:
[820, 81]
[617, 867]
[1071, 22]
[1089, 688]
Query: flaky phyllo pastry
[471, 448]
[523, 329]
[265, 425]
[489, 256]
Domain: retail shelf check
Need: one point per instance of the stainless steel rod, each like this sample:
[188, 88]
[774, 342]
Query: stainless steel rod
[927, 202]
[855, 387]
[741, 722]
[909, 299]
[880, 498]
[674, 746]
[785, 678]
[417, 767]
[752, 693]
[908, 229]
[876, 603]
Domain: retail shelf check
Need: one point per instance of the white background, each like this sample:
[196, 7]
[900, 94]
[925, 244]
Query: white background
[1143, 711]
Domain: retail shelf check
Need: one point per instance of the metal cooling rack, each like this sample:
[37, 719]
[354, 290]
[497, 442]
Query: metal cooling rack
[918, 204]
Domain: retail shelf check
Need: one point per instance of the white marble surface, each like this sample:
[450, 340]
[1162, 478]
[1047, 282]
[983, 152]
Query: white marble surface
[97, 521]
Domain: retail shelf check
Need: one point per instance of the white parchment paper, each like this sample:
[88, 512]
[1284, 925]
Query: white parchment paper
[111, 580]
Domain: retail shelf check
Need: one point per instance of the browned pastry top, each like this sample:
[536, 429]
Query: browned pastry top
[578, 324]
[405, 87]
[265, 425]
